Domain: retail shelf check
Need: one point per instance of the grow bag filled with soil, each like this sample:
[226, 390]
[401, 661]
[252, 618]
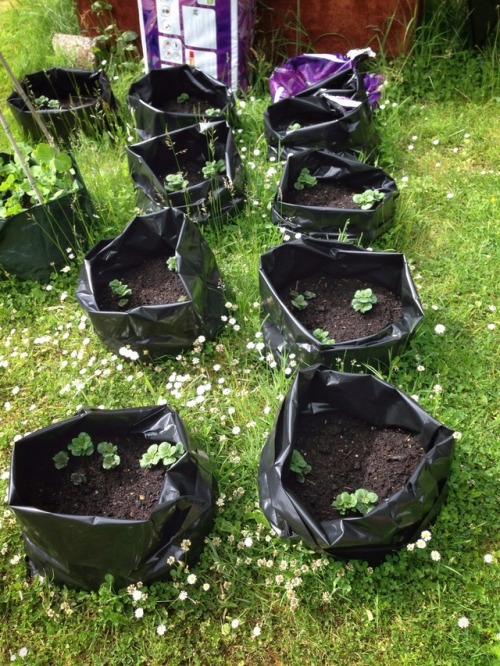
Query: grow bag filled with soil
[332, 120]
[168, 307]
[196, 169]
[174, 97]
[353, 431]
[68, 100]
[81, 522]
[35, 242]
[307, 288]
[327, 208]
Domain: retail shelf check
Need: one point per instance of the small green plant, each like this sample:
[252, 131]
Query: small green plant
[323, 336]
[299, 466]
[44, 102]
[176, 182]
[51, 170]
[172, 264]
[121, 290]
[305, 179]
[110, 458]
[361, 501]
[368, 198]
[61, 460]
[213, 168]
[183, 98]
[212, 111]
[364, 300]
[293, 127]
[165, 452]
[299, 301]
[77, 478]
[81, 445]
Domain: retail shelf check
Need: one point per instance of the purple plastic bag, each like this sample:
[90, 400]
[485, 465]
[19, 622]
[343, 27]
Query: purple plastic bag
[305, 71]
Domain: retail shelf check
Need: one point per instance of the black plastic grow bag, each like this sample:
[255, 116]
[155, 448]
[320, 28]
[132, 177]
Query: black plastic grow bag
[79, 551]
[327, 121]
[91, 111]
[150, 95]
[289, 212]
[159, 330]
[191, 147]
[284, 334]
[34, 242]
[393, 522]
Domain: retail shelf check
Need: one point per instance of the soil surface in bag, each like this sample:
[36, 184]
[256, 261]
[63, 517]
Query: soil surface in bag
[194, 105]
[345, 454]
[127, 491]
[330, 308]
[325, 195]
[152, 283]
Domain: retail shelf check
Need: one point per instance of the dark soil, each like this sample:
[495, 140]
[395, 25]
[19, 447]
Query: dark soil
[152, 283]
[126, 492]
[346, 454]
[69, 103]
[325, 194]
[331, 309]
[194, 105]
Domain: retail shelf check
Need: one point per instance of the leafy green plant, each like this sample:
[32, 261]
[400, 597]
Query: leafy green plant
[164, 452]
[61, 460]
[364, 300]
[183, 98]
[368, 198]
[44, 102]
[212, 111]
[172, 264]
[51, 170]
[299, 301]
[360, 500]
[78, 478]
[299, 466]
[176, 182]
[305, 179]
[109, 454]
[81, 445]
[121, 290]
[323, 336]
[213, 168]
[293, 126]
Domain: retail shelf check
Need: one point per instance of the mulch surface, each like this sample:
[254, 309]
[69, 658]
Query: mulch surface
[331, 309]
[126, 492]
[325, 194]
[152, 283]
[346, 454]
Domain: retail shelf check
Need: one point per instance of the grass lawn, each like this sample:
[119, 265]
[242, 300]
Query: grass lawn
[258, 599]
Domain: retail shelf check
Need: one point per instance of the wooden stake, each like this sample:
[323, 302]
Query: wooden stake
[21, 159]
[26, 100]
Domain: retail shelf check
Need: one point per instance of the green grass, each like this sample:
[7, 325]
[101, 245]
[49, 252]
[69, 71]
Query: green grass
[405, 611]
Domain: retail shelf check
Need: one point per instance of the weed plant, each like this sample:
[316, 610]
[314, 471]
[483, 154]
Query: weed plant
[253, 598]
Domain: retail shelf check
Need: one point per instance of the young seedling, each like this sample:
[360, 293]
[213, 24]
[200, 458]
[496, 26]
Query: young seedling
[212, 169]
[183, 98]
[361, 501]
[81, 445]
[77, 478]
[293, 127]
[110, 458]
[175, 182]
[172, 264]
[61, 460]
[364, 300]
[299, 301]
[305, 179]
[121, 290]
[212, 111]
[299, 466]
[44, 102]
[368, 198]
[323, 336]
[164, 452]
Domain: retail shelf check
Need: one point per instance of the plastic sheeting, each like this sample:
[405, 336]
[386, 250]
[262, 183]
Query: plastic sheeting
[285, 264]
[287, 211]
[87, 92]
[393, 522]
[210, 200]
[79, 551]
[149, 96]
[159, 330]
[33, 243]
[338, 120]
